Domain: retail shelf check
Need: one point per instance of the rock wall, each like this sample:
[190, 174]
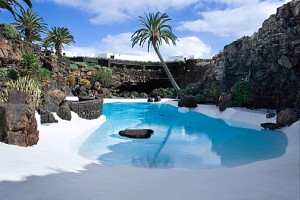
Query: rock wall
[10, 50]
[91, 109]
[18, 125]
[270, 59]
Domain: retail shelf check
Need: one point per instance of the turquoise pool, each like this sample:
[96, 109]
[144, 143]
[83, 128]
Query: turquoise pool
[181, 140]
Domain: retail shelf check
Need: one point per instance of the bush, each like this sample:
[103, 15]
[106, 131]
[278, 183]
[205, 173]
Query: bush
[134, 94]
[44, 74]
[104, 76]
[73, 67]
[9, 73]
[143, 95]
[10, 31]
[199, 98]
[163, 92]
[191, 89]
[30, 62]
[242, 93]
[25, 84]
[82, 64]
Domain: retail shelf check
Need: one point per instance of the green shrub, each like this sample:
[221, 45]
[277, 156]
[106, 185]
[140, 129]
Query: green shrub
[103, 75]
[82, 64]
[25, 84]
[191, 89]
[10, 31]
[143, 95]
[73, 67]
[44, 74]
[199, 98]
[134, 94]
[30, 62]
[9, 73]
[163, 92]
[242, 93]
[62, 70]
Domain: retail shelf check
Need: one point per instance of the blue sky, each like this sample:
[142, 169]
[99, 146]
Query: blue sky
[202, 26]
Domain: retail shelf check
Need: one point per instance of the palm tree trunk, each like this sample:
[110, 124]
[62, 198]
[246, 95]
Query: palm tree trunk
[173, 82]
[58, 48]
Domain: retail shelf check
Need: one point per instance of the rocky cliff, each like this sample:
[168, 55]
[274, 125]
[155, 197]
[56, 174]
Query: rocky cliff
[269, 59]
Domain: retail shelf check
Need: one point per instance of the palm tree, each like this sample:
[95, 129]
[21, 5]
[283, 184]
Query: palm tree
[11, 5]
[60, 36]
[155, 32]
[30, 25]
[45, 43]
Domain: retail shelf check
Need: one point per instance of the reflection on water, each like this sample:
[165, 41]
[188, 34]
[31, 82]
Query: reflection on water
[180, 140]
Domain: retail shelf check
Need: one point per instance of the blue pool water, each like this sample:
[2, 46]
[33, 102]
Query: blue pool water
[182, 140]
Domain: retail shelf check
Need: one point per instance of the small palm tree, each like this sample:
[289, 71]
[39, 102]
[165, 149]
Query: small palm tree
[11, 5]
[30, 25]
[46, 44]
[60, 36]
[155, 32]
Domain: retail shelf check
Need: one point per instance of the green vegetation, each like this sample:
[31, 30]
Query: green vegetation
[31, 67]
[24, 84]
[30, 25]
[60, 36]
[103, 75]
[9, 73]
[164, 92]
[156, 31]
[44, 74]
[10, 31]
[11, 5]
[191, 89]
[73, 67]
[242, 93]
[82, 64]
[134, 94]
[199, 98]
[30, 63]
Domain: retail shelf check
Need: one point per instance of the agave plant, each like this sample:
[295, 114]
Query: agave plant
[24, 84]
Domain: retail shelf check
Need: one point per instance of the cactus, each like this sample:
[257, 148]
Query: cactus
[85, 82]
[71, 80]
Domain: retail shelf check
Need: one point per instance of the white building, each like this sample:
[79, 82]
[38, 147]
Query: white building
[68, 53]
[179, 58]
[123, 57]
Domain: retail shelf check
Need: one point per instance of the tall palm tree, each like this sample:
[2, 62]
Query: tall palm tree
[156, 31]
[60, 36]
[30, 25]
[11, 5]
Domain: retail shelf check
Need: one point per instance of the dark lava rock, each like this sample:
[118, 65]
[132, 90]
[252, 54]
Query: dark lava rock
[187, 101]
[271, 126]
[48, 118]
[64, 111]
[150, 99]
[270, 115]
[157, 99]
[287, 117]
[136, 133]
